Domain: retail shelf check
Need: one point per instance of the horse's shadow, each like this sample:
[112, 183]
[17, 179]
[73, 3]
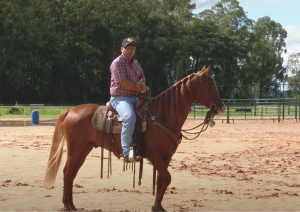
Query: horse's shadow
[83, 210]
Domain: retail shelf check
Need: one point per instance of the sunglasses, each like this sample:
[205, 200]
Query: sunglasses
[129, 47]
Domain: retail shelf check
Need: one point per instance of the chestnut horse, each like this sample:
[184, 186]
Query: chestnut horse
[170, 108]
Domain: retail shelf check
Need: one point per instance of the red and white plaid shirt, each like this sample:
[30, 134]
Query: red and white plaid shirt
[121, 70]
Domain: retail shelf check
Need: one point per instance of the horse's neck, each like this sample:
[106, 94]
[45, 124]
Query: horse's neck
[173, 105]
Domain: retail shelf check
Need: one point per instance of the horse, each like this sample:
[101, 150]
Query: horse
[168, 110]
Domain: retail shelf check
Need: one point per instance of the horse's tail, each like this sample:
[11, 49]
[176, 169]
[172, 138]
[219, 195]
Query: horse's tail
[56, 152]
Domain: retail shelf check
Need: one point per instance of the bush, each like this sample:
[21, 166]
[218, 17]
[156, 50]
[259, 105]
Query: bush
[14, 110]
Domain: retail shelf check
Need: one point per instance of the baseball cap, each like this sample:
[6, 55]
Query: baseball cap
[127, 41]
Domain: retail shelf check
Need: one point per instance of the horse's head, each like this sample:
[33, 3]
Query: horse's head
[208, 94]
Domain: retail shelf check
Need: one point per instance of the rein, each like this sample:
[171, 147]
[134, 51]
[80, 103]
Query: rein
[208, 120]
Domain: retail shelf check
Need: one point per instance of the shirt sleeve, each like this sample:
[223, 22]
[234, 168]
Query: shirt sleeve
[141, 73]
[118, 72]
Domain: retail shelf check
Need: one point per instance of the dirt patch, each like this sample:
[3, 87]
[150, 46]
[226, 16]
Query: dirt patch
[245, 166]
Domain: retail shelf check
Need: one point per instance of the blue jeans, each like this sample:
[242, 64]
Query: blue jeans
[124, 105]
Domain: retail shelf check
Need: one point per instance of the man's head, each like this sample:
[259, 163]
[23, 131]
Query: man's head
[128, 48]
[128, 41]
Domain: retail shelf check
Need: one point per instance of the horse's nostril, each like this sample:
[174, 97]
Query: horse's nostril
[221, 110]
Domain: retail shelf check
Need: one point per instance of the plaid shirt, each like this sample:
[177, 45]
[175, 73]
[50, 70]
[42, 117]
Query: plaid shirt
[121, 70]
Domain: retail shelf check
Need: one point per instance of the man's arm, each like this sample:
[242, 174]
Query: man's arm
[128, 85]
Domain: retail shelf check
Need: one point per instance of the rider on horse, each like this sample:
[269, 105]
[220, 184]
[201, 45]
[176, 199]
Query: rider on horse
[127, 78]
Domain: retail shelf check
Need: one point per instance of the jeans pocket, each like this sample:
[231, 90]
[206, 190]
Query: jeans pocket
[113, 102]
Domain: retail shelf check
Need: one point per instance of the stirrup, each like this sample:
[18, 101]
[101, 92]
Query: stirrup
[137, 159]
[131, 157]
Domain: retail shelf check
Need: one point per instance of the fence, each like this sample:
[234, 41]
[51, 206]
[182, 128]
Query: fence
[275, 109]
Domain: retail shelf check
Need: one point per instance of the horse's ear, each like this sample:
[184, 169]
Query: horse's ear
[204, 67]
[207, 69]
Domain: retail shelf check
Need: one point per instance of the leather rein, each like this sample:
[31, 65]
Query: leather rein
[208, 120]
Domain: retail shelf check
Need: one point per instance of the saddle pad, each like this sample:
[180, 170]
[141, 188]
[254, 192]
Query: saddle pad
[97, 121]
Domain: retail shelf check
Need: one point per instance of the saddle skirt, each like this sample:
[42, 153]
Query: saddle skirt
[117, 123]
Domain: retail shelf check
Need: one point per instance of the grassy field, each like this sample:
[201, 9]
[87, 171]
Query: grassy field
[248, 112]
[196, 111]
[25, 112]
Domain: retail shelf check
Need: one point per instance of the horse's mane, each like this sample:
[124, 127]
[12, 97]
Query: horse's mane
[178, 83]
[175, 101]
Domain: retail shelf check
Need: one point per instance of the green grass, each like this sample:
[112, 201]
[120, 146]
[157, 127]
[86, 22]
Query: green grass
[260, 112]
[55, 111]
[25, 112]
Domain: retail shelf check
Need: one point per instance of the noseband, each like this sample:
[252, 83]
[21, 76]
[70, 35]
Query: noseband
[207, 121]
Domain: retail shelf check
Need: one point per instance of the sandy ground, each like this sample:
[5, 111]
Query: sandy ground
[245, 166]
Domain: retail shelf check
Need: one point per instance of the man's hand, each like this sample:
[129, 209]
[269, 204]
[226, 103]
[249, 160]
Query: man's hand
[142, 87]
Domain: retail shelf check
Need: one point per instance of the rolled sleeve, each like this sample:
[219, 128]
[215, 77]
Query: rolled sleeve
[118, 72]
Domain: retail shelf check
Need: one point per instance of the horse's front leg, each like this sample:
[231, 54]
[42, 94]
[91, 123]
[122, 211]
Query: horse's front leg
[163, 181]
[160, 191]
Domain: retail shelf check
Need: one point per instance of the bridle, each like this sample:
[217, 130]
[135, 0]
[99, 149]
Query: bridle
[207, 121]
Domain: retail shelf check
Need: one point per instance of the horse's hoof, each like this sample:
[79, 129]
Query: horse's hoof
[69, 208]
[157, 208]
[75, 209]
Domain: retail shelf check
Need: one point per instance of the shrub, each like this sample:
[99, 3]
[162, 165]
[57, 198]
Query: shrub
[14, 110]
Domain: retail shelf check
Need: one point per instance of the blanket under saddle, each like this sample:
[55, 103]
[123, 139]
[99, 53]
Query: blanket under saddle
[98, 118]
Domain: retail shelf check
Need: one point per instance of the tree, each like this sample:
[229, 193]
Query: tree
[160, 27]
[232, 43]
[24, 40]
[293, 66]
[265, 60]
[60, 51]
[78, 23]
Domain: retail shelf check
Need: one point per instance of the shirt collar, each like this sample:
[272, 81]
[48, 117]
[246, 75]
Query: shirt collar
[124, 58]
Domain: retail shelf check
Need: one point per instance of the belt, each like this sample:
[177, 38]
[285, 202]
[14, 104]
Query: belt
[121, 95]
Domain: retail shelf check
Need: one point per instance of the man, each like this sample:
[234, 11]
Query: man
[127, 78]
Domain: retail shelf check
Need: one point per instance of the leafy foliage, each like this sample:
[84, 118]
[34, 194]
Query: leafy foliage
[59, 52]
[293, 66]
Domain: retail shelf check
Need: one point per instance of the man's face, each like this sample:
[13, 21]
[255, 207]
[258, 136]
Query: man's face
[128, 51]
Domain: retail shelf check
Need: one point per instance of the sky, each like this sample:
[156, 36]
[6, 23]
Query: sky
[285, 12]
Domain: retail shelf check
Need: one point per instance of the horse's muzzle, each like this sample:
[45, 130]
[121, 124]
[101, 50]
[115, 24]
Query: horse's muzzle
[220, 110]
[217, 110]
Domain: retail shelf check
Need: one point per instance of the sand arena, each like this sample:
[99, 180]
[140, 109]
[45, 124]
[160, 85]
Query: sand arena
[245, 166]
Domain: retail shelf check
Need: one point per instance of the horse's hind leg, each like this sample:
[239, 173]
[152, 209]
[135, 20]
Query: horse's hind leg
[163, 181]
[73, 164]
